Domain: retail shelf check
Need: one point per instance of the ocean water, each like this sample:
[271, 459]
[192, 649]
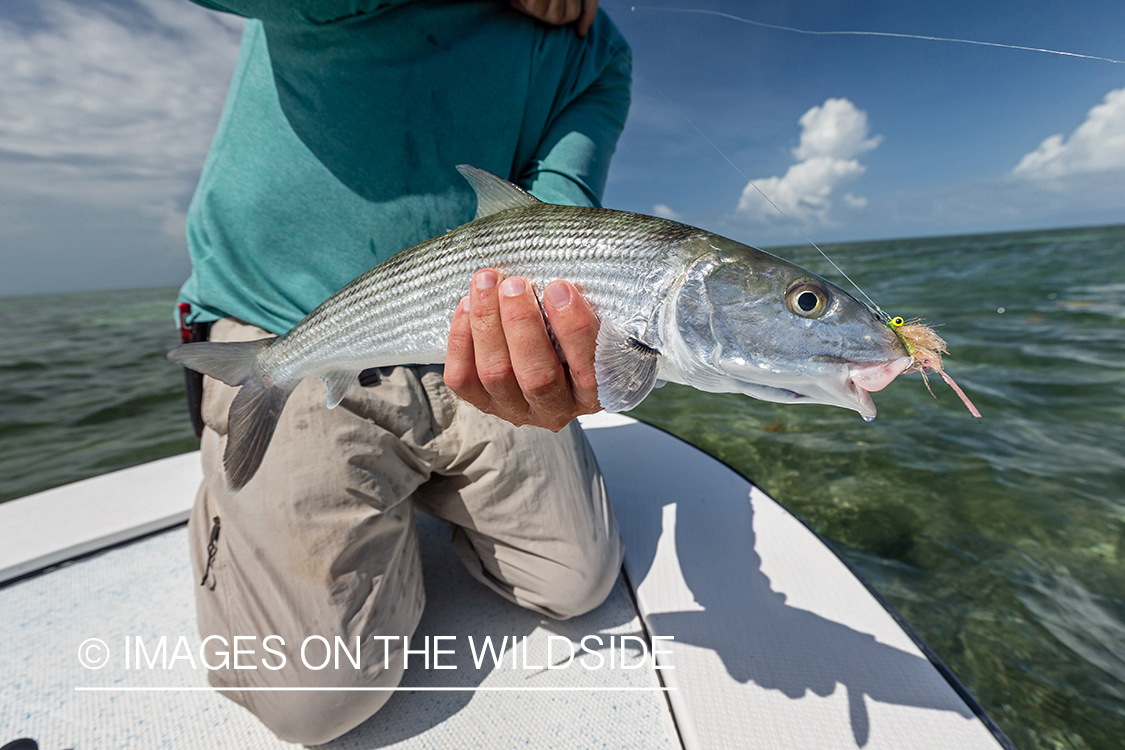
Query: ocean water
[85, 388]
[1002, 541]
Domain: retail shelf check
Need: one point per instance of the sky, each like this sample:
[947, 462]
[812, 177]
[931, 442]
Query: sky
[107, 108]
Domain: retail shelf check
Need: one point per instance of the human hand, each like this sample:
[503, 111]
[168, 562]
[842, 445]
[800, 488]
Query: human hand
[558, 12]
[501, 360]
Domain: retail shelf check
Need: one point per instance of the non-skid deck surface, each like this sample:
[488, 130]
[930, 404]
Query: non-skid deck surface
[145, 589]
[776, 643]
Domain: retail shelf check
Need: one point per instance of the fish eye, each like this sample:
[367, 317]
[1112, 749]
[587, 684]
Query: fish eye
[806, 299]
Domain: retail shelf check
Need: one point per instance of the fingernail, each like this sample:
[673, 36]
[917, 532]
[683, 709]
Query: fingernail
[557, 295]
[486, 279]
[467, 303]
[513, 287]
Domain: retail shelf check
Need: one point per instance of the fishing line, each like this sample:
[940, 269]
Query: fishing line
[794, 224]
[886, 34]
[810, 32]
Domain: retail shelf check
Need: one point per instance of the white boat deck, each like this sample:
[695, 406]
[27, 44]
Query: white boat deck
[775, 643]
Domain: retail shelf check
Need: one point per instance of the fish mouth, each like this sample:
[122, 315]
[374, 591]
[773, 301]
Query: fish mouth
[845, 384]
[865, 378]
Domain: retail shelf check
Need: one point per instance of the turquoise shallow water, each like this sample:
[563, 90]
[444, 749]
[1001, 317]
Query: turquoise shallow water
[1001, 541]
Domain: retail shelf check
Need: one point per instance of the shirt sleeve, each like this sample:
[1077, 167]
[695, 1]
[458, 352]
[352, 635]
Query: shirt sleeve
[570, 163]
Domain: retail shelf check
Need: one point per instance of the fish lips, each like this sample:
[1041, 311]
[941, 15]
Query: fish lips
[865, 378]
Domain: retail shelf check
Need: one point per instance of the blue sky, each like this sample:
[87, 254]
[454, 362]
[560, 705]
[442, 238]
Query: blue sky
[107, 108]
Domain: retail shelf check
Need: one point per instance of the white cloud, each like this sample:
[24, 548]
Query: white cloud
[833, 135]
[106, 113]
[836, 129]
[666, 212]
[112, 108]
[1097, 145]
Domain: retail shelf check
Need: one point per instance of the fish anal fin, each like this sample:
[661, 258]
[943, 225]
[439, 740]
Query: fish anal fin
[495, 194]
[338, 382]
[625, 368]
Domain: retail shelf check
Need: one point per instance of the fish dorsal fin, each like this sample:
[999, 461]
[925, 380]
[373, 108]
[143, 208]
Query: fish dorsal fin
[495, 194]
[625, 368]
[338, 382]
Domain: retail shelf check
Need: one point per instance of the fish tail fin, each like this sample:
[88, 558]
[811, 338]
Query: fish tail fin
[250, 424]
[256, 408]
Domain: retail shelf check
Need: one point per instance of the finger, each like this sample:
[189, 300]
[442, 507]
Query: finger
[576, 329]
[554, 12]
[525, 6]
[490, 349]
[572, 11]
[535, 362]
[586, 20]
[460, 360]
[557, 12]
[534, 8]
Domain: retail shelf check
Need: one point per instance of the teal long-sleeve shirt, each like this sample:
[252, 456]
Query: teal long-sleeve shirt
[345, 120]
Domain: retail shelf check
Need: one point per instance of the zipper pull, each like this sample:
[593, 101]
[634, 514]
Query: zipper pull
[212, 549]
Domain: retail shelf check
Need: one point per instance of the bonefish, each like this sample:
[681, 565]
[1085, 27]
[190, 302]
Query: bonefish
[675, 303]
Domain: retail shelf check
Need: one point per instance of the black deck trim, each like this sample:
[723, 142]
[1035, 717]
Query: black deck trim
[82, 556]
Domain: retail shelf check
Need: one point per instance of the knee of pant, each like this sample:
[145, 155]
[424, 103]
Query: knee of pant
[314, 718]
[577, 590]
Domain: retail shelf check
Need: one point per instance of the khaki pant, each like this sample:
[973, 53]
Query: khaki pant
[322, 542]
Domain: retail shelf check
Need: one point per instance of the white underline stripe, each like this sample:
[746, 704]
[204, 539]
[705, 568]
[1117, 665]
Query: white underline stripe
[119, 689]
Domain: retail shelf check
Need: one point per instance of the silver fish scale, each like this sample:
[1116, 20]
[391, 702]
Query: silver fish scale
[399, 312]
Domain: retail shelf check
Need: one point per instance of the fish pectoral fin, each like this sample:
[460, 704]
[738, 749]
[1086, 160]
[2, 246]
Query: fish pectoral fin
[625, 368]
[338, 382]
[494, 194]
